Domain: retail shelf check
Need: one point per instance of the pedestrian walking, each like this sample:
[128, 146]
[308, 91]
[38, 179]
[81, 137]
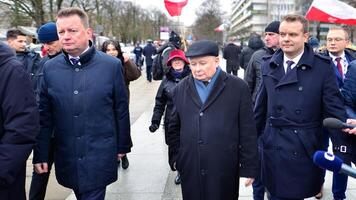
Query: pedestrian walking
[148, 51]
[232, 55]
[212, 135]
[83, 101]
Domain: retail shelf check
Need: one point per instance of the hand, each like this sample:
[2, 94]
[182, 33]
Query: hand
[120, 155]
[41, 168]
[153, 128]
[126, 57]
[348, 130]
[249, 181]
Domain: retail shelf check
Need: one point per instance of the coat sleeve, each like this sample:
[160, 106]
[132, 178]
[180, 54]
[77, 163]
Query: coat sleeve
[260, 109]
[160, 104]
[250, 75]
[41, 150]
[349, 90]
[20, 124]
[248, 156]
[173, 137]
[121, 112]
[131, 71]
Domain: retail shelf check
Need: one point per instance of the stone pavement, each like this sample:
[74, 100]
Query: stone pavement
[148, 176]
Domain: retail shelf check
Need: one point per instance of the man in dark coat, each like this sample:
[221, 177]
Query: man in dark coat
[87, 114]
[19, 124]
[31, 60]
[254, 43]
[212, 135]
[253, 78]
[232, 55]
[337, 40]
[298, 90]
[148, 51]
[47, 35]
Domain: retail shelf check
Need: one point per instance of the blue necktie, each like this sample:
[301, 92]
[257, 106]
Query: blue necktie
[289, 65]
[74, 61]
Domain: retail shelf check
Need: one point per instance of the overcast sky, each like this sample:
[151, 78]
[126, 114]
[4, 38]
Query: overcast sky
[188, 13]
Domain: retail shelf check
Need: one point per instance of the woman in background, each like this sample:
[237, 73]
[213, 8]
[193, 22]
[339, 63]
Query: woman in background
[130, 72]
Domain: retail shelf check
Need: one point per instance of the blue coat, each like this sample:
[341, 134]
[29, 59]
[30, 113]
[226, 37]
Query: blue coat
[86, 106]
[148, 52]
[289, 111]
[349, 90]
[19, 124]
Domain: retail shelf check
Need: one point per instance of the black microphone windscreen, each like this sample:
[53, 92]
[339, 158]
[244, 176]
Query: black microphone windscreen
[333, 123]
[327, 161]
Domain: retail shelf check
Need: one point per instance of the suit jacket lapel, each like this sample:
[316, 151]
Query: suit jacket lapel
[193, 92]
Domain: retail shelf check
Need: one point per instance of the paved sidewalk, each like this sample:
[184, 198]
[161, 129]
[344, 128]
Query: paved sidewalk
[148, 176]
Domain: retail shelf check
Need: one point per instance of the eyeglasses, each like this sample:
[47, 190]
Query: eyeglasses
[334, 39]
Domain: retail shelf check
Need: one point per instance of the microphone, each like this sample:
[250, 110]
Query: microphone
[333, 163]
[336, 124]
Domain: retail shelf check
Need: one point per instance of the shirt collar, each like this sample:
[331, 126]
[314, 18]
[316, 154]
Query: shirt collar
[295, 59]
[78, 57]
[343, 56]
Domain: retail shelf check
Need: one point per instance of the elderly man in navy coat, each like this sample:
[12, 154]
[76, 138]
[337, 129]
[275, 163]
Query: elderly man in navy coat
[212, 135]
[19, 124]
[83, 101]
[298, 90]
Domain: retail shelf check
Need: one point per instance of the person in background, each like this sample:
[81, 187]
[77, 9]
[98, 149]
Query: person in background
[178, 69]
[83, 102]
[130, 72]
[19, 124]
[314, 43]
[232, 55]
[47, 35]
[253, 77]
[148, 51]
[17, 40]
[254, 43]
[211, 133]
[337, 40]
[138, 50]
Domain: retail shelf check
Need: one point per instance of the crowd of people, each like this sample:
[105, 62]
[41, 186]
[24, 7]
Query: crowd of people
[72, 109]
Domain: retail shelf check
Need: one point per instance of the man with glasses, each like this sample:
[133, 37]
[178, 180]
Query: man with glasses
[337, 40]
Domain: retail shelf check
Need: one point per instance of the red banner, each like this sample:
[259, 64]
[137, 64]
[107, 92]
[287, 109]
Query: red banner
[174, 7]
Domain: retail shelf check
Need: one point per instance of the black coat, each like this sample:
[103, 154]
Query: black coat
[31, 63]
[289, 112]
[214, 143]
[254, 43]
[164, 98]
[232, 55]
[86, 107]
[148, 51]
[19, 124]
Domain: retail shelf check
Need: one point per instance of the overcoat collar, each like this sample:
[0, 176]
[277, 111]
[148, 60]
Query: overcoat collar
[277, 68]
[85, 57]
[214, 94]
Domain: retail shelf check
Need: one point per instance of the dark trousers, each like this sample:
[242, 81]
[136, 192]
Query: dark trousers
[230, 70]
[339, 180]
[277, 198]
[149, 72]
[15, 191]
[39, 181]
[98, 194]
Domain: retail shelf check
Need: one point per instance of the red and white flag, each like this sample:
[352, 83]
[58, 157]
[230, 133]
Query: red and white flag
[332, 11]
[220, 28]
[174, 7]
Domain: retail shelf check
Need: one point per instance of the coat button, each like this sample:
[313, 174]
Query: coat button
[201, 114]
[203, 172]
[300, 88]
[76, 92]
[200, 142]
[76, 69]
[304, 68]
[295, 131]
[298, 112]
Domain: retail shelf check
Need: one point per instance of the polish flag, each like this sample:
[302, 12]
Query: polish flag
[220, 28]
[174, 7]
[332, 11]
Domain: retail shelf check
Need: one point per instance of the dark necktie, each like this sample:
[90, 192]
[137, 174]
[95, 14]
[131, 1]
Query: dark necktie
[289, 65]
[74, 61]
[339, 66]
[206, 83]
